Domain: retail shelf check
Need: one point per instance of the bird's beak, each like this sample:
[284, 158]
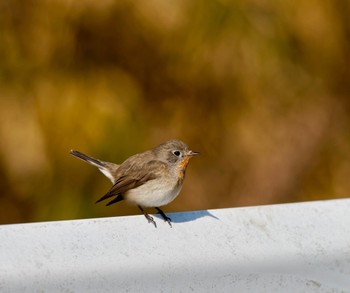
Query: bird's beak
[191, 153]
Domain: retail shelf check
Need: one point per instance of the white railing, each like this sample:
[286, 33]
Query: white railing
[302, 247]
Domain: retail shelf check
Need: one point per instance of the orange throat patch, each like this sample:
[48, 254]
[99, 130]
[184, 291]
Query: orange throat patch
[181, 169]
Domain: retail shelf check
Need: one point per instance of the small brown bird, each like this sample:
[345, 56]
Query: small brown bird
[150, 179]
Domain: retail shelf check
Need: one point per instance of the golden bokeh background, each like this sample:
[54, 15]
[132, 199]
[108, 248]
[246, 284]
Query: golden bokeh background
[260, 88]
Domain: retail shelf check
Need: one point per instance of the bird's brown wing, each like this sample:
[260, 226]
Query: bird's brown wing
[132, 174]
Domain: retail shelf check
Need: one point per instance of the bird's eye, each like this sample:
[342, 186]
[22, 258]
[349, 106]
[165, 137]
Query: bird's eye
[176, 153]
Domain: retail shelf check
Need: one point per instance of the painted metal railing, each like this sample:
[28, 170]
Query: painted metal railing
[301, 247]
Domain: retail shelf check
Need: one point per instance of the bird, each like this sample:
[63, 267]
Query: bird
[150, 179]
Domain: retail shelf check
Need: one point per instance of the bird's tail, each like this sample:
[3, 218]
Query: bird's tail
[108, 169]
[86, 158]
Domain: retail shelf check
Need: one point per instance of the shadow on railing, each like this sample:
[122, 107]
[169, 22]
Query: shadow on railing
[189, 217]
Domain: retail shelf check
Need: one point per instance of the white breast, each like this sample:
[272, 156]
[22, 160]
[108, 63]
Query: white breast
[154, 193]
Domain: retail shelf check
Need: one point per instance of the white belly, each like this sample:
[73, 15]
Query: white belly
[154, 193]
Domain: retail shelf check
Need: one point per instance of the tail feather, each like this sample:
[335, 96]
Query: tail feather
[87, 158]
[108, 169]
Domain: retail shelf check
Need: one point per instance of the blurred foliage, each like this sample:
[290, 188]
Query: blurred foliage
[260, 88]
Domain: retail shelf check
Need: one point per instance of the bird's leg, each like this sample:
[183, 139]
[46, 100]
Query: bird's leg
[148, 217]
[164, 216]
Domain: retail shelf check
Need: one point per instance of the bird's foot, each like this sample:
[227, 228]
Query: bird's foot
[151, 220]
[164, 216]
[168, 220]
[148, 217]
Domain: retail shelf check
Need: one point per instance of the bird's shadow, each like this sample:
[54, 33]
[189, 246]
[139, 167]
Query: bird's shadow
[187, 216]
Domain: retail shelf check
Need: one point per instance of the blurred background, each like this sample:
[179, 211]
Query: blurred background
[260, 88]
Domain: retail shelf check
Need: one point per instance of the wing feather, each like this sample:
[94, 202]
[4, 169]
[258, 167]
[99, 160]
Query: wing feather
[133, 175]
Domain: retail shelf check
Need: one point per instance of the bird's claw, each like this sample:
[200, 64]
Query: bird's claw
[151, 220]
[168, 220]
